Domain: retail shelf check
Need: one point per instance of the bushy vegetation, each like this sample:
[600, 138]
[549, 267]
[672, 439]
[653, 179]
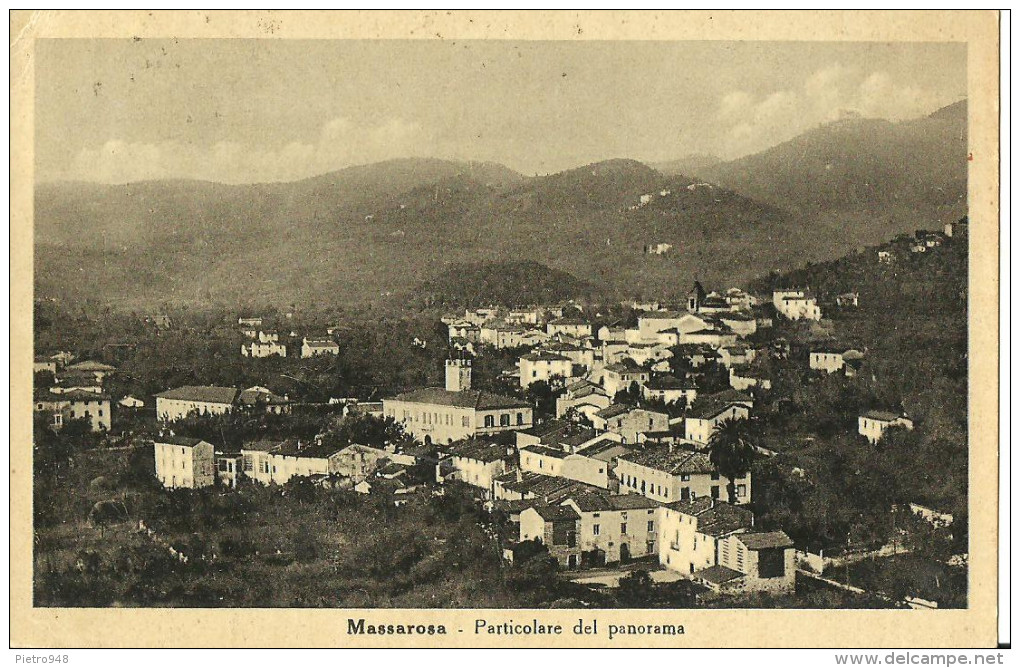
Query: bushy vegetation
[829, 486]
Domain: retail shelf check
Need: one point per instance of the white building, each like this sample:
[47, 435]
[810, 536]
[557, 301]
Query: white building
[314, 347]
[178, 403]
[184, 462]
[796, 304]
[544, 366]
[709, 411]
[263, 349]
[438, 415]
[873, 424]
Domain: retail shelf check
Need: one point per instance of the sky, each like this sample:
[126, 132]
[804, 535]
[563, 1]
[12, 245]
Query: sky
[244, 111]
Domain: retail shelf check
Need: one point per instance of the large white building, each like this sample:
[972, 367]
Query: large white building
[178, 403]
[184, 462]
[444, 415]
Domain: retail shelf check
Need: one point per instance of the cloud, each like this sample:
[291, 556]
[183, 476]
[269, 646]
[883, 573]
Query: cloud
[753, 122]
[340, 143]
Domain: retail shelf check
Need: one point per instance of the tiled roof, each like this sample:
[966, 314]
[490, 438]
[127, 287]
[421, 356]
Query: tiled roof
[545, 357]
[545, 451]
[884, 416]
[765, 540]
[554, 513]
[476, 399]
[477, 449]
[669, 383]
[204, 393]
[614, 410]
[715, 518]
[718, 574]
[292, 448]
[675, 462]
[89, 365]
[177, 440]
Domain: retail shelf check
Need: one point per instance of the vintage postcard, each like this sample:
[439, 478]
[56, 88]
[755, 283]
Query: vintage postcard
[504, 329]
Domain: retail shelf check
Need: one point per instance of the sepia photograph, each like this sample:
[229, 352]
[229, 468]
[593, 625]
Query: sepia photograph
[566, 324]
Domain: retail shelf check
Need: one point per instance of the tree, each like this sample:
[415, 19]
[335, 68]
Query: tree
[731, 451]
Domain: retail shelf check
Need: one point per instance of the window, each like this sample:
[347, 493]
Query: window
[520, 420]
[100, 412]
[595, 529]
[741, 490]
[715, 476]
[490, 421]
[651, 525]
[685, 477]
[623, 527]
[504, 420]
[465, 421]
[715, 491]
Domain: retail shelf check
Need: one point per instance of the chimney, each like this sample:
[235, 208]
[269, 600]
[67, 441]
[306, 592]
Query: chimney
[458, 375]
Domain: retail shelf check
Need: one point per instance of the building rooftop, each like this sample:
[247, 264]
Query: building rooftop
[554, 513]
[89, 365]
[672, 461]
[294, 448]
[599, 500]
[765, 540]
[544, 356]
[715, 518]
[614, 410]
[476, 399]
[884, 416]
[718, 574]
[477, 449]
[204, 393]
[183, 441]
[670, 383]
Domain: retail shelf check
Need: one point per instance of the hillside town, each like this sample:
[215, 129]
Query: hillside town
[616, 440]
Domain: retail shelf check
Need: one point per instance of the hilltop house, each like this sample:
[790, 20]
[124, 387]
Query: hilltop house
[249, 321]
[873, 424]
[796, 304]
[831, 360]
[74, 404]
[263, 349]
[183, 462]
[437, 415]
[314, 347]
[544, 366]
[666, 474]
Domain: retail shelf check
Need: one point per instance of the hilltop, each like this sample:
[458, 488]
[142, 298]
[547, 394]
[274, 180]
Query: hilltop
[372, 233]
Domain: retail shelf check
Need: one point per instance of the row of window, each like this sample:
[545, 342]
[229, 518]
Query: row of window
[596, 529]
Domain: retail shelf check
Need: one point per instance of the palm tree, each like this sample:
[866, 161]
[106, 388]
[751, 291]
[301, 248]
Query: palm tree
[731, 452]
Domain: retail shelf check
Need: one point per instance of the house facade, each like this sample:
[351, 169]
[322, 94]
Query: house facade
[74, 404]
[668, 474]
[441, 415]
[178, 403]
[544, 366]
[184, 462]
[873, 424]
[316, 347]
